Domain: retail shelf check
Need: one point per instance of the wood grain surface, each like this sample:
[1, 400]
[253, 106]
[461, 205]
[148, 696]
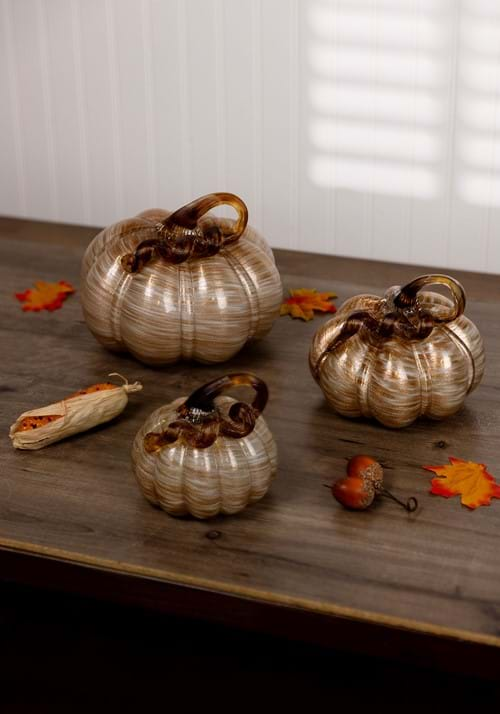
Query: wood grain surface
[435, 573]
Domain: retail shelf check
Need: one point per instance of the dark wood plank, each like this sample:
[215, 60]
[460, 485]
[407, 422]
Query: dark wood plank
[435, 573]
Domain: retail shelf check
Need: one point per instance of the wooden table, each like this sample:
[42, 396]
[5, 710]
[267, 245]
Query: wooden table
[423, 587]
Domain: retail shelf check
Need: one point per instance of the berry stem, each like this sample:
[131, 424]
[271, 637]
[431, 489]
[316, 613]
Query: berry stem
[410, 505]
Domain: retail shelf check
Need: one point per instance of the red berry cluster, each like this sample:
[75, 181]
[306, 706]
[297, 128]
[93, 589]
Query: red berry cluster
[363, 482]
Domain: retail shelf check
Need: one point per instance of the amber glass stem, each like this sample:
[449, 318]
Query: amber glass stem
[188, 216]
[183, 234]
[203, 397]
[407, 295]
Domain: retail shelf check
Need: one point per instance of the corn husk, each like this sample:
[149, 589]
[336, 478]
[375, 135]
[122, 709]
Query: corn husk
[78, 413]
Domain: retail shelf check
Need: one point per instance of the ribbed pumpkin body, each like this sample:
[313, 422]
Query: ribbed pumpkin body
[204, 309]
[222, 478]
[397, 380]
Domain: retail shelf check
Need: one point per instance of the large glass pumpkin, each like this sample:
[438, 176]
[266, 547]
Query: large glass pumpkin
[396, 358]
[183, 285]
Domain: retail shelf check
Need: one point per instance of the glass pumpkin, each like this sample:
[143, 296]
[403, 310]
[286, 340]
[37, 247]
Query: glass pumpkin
[207, 454]
[184, 285]
[400, 357]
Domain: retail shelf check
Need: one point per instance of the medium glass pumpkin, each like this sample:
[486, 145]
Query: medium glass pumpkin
[207, 454]
[396, 358]
[182, 285]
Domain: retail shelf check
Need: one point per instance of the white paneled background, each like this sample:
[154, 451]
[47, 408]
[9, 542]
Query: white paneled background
[356, 127]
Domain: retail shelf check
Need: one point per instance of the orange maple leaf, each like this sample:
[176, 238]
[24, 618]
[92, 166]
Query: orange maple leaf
[303, 302]
[467, 478]
[45, 296]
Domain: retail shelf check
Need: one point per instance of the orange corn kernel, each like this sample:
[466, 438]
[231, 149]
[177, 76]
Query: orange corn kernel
[94, 388]
[35, 422]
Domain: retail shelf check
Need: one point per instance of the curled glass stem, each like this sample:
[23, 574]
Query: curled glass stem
[200, 421]
[406, 297]
[399, 314]
[189, 233]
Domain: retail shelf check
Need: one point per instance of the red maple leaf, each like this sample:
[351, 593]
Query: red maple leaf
[302, 303]
[45, 296]
[466, 478]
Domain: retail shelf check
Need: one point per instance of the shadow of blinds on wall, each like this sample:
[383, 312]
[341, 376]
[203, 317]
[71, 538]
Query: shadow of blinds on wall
[379, 109]
[478, 108]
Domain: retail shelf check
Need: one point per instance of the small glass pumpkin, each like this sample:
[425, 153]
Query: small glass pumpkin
[207, 454]
[396, 358]
[184, 285]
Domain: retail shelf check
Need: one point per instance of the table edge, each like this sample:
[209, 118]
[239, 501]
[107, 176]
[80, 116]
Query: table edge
[266, 597]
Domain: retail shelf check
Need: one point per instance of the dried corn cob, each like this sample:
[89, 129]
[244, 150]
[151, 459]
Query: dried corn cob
[78, 412]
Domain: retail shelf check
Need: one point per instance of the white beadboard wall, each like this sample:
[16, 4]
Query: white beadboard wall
[365, 128]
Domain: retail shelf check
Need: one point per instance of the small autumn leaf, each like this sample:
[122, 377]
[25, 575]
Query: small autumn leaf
[45, 296]
[302, 303]
[467, 478]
